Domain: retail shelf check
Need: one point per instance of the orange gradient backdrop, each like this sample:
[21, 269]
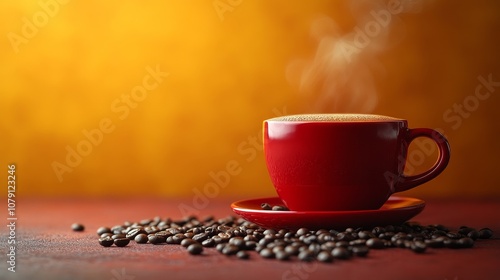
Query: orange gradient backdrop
[71, 68]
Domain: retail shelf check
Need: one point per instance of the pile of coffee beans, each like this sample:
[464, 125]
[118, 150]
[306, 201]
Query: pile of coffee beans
[236, 236]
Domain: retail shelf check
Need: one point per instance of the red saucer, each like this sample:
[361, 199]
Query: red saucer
[395, 211]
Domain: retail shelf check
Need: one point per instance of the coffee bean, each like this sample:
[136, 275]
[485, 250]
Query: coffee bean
[195, 249]
[343, 244]
[375, 243]
[306, 255]
[400, 243]
[485, 233]
[230, 249]
[131, 234]
[250, 238]
[473, 234]
[151, 229]
[242, 255]
[418, 247]
[438, 233]
[360, 251]
[106, 234]
[349, 230]
[345, 236]
[218, 247]
[314, 247]
[387, 235]
[281, 255]
[177, 238]
[200, 237]
[195, 230]
[441, 228]
[292, 250]
[464, 230]
[324, 256]
[208, 243]
[328, 245]
[357, 242]
[271, 232]
[164, 234]
[265, 253]
[279, 208]
[310, 239]
[435, 243]
[118, 229]
[451, 243]
[465, 242]
[365, 235]
[390, 228]
[302, 231]
[77, 227]
[223, 228]
[265, 206]
[259, 248]
[277, 243]
[211, 231]
[106, 241]
[415, 226]
[141, 238]
[145, 222]
[378, 230]
[408, 244]
[224, 237]
[265, 241]
[156, 239]
[239, 232]
[187, 241]
[258, 234]
[454, 235]
[217, 239]
[399, 236]
[121, 242]
[276, 246]
[320, 231]
[102, 230]
[325, 237]
[341, 253]
[118, 236]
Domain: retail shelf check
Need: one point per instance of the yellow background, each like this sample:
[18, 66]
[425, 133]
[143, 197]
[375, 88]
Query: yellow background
[231, 65]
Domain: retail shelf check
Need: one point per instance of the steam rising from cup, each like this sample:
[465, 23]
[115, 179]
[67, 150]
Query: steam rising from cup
[339, 78]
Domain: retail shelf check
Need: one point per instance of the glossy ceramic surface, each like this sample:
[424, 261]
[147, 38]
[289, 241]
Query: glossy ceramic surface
[329, 162]
[395, 211]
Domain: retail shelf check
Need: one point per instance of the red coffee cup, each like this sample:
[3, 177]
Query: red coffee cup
[330, 162]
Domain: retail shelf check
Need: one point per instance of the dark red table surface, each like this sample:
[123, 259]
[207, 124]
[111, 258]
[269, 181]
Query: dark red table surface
[47, 248]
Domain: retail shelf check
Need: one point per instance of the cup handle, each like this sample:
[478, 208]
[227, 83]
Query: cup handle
[407, 182]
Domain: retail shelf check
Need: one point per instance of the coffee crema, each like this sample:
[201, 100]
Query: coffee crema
[335, 118]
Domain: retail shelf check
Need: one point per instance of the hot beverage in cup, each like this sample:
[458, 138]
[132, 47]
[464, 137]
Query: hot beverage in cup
[329, 162]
